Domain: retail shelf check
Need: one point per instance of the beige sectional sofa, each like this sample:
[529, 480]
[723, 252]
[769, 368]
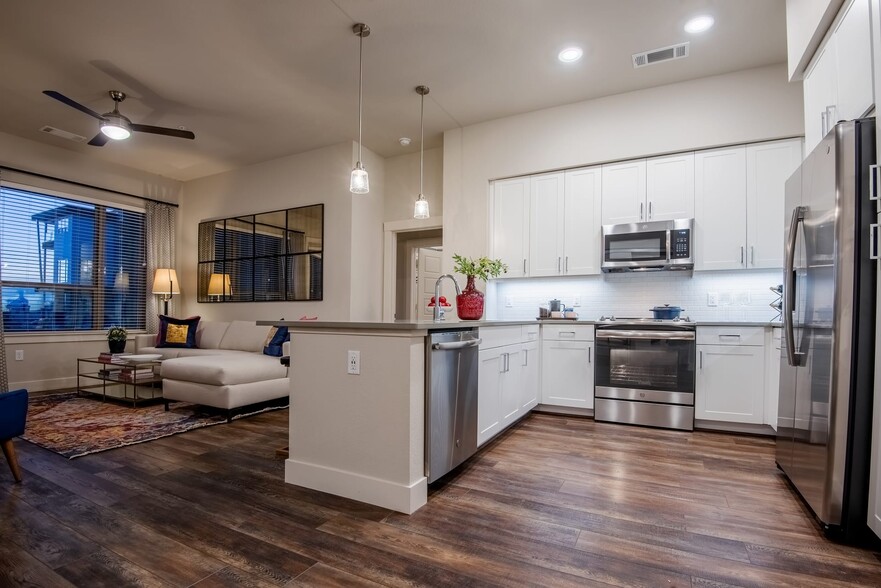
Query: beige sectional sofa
[227, 368]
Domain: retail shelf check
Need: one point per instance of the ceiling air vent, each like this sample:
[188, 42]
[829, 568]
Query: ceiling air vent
[63, 134]
[658, 55]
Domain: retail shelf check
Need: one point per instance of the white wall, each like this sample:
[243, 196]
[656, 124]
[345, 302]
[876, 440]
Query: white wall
[50, 360]
[743, 295]
[751, 105]
[402, 184]
[352, 229]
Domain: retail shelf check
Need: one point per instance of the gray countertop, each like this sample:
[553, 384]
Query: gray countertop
[432, 326]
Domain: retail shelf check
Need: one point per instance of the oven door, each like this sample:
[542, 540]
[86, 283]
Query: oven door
[647, 365]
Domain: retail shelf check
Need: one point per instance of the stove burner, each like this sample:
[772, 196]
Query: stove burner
[637, 319]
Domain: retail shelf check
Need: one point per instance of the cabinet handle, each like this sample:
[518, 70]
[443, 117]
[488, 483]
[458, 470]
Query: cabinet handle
[567, 333]
[650, 210]
[559, 265]
[741, 255]
[525, 357]
[723, 336]
[640, 210]
[752, 254]
[589, 349]
[701, 355]
[567, 264]
[524, 267]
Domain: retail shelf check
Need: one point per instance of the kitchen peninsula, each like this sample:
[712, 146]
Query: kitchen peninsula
[362, 436]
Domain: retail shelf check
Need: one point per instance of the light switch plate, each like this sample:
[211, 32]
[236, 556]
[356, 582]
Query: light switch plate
[509, 301]
[712, 299]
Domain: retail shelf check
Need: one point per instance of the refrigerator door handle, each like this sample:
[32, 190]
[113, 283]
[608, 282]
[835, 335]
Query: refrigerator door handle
[798, 215]
[874, 181]
[873, 241]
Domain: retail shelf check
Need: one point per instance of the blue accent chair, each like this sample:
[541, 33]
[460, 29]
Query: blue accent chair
[13, 413]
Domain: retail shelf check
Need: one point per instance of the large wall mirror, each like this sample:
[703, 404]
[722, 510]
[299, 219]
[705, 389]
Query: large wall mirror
[266, 257]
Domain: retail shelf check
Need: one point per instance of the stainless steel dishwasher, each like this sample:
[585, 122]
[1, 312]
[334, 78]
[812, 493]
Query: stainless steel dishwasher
[450, 400]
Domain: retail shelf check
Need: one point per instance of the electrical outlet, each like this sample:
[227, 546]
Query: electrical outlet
[712, 299]
[19, 355]
[576, 301]
[353, 363]
[509, 301]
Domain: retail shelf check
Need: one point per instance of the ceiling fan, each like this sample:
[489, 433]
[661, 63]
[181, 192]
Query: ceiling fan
[115, 125]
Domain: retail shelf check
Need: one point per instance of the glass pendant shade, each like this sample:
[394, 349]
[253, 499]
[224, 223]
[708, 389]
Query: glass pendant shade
[360, 183]
[420, 211]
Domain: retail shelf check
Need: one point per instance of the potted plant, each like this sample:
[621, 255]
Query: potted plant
[469, 304]
[116, 338]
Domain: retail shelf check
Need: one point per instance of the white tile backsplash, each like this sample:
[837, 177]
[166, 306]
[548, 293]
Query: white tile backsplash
[742, 295]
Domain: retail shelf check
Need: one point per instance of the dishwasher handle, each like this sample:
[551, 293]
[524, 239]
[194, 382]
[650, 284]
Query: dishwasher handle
[456, 345]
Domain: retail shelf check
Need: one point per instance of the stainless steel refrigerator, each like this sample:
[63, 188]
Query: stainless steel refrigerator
[825, 412]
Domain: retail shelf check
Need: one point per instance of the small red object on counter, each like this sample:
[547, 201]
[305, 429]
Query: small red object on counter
[443, 302]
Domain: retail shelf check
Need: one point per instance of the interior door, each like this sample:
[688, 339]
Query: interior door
[428, 270]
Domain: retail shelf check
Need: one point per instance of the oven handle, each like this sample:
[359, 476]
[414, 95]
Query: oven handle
[664, 335]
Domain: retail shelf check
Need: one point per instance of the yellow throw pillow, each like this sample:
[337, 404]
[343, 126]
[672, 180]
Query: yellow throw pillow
[176, 334]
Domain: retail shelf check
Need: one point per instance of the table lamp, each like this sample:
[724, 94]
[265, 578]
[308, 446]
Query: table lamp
[165, 285]
[218, 285]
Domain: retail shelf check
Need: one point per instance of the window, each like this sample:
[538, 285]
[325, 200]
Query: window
[272, 256]
[69, 265]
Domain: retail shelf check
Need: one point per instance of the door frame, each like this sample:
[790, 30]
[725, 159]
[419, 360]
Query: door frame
[391, 230]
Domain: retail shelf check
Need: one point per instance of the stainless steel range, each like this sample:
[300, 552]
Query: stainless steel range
[645, 370]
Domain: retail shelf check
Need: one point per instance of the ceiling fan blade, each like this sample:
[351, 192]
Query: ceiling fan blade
[62, 98]
[99, 140]
[163, 131]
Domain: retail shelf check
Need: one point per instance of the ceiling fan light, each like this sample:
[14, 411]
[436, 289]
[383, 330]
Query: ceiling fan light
[420, 211]
[359, 183]
[115, 127]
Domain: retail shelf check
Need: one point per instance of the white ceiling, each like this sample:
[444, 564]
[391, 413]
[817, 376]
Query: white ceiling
[256, 80]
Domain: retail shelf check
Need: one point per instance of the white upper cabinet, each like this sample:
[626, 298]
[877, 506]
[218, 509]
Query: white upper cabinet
[545, 225]
[623, 186]
[510, 224]
[838, 83]
[720, 209]
[581, 222]
[670, 187]
[768, 166]
[661, 188]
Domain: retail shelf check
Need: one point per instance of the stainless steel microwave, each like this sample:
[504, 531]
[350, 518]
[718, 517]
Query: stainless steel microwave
[655, 245]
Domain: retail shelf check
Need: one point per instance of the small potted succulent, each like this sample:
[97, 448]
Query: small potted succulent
[116, 338]
[469, 304]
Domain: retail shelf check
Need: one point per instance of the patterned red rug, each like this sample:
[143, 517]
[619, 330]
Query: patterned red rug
[75, 426]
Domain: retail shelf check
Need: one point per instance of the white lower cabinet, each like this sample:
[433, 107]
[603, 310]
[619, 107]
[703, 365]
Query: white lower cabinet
[507, 386]
[567, 364]
[772, 376]
[730, 381]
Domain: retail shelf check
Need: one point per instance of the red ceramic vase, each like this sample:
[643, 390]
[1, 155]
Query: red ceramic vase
[469, 304]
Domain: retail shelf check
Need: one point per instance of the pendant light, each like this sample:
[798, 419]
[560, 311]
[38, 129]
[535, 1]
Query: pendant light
[360, 183]
[420, 211]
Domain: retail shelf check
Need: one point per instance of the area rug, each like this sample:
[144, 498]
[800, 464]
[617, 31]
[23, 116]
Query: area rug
[75, 426]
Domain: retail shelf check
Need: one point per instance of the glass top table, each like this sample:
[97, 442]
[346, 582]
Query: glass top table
[136, 381]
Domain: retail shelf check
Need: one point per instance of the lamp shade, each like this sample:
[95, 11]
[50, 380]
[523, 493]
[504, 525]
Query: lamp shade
[165, 282]
[121, 281]
[218, 285]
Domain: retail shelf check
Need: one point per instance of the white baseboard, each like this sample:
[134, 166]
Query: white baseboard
[42, 385]
[383, 493]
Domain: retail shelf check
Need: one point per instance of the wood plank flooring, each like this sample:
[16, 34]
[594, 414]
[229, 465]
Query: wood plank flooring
[555, 501]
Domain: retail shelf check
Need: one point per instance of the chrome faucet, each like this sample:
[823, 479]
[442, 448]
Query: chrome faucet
[438, 309]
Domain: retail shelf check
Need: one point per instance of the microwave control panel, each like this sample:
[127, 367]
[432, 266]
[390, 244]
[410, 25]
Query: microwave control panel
[681, 244]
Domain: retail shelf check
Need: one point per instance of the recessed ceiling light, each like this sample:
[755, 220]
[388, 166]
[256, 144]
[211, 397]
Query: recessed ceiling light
[404, 141]
[570, 54]
[699, 24]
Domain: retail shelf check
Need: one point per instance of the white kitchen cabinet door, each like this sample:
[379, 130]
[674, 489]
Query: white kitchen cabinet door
[772, 377]
[623, 188]
[489, 393]
[529, 374]
[545, 225]
[853, 40]
[567, 373]
[510, 226]
[768, 166]
[582, 232]
[670, 187]
[719, 209]
[730, 383]
[512, 384]
[821, 94]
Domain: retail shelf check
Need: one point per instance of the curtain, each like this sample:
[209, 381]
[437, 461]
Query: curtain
[160, 254]
[4, 377]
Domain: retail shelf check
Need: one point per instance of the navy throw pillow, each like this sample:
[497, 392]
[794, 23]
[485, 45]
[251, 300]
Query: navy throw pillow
[174, 332]
[274, 341]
